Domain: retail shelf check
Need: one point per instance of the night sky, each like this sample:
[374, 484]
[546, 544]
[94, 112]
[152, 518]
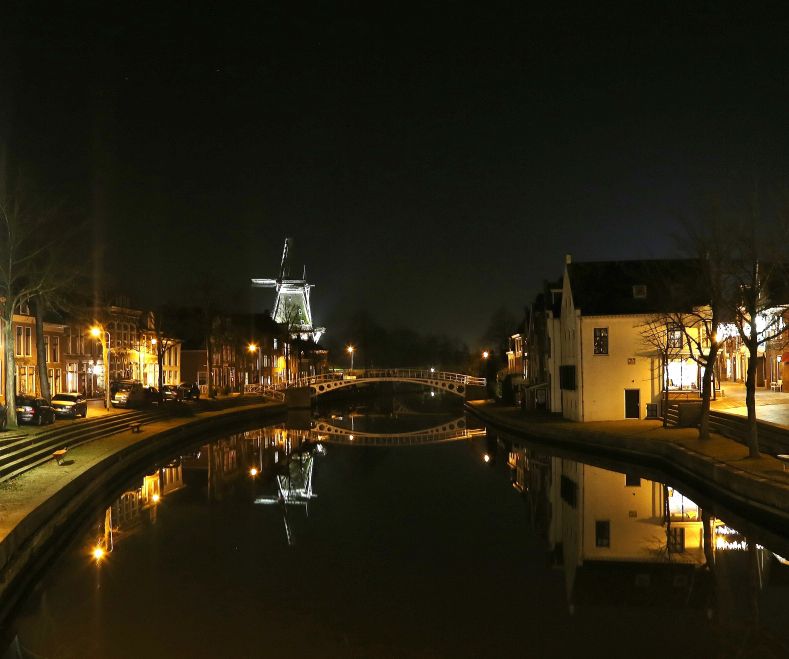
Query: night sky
[432, 162]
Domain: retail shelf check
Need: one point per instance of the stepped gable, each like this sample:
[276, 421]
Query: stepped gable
[610, 288]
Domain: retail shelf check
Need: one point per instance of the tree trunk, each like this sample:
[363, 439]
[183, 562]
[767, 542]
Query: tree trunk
[707, 383]
[754, 582]
[750, 394]
[10, 372]
[665, 390]
[43, 372]
[709, 554]
[160, 362]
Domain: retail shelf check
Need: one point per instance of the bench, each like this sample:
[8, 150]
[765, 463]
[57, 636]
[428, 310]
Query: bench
[777, 385]
[59, 455]
[135, 426]
[783, 458]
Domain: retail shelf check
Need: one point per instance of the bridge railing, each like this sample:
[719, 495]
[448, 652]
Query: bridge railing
[385, 373]
[371, 374]
[267, 391]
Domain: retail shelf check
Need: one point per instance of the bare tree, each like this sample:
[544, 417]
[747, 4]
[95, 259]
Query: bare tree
[161, 321]
[709, 241]
[759, 279]
[659, 334]
[27, 272]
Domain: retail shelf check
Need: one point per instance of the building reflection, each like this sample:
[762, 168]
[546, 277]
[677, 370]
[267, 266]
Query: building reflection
[625, 540]
[137, 507]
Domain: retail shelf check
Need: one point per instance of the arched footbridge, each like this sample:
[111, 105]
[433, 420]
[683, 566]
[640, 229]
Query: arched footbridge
[458, 384]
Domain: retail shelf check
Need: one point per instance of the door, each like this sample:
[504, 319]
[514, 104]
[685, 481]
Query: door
[632, 403]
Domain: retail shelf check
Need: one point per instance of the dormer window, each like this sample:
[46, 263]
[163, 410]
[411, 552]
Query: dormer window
[639, 291]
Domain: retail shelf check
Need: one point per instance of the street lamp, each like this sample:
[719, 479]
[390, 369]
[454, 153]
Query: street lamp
[485, 354]
[98, 332]
[350, 352]
[253, 348]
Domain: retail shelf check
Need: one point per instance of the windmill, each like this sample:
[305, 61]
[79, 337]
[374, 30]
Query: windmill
[292, 305]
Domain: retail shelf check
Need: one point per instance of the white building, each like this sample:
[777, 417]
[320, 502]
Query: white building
[607, 370]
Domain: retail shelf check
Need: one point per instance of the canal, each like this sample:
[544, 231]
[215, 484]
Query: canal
[402, 528]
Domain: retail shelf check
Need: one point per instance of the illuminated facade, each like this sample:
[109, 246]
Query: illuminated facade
[26, 356]
[608, 370]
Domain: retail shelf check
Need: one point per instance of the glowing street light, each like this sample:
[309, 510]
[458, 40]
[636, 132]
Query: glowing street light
[253, 348]
[155, 498]
[253, 471]
[98, 553]
[98, 332]
[350, 350]
[485, 354]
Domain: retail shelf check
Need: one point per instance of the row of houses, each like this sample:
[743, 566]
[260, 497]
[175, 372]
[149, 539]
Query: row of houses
[583, 353]
[246, 349]
[74, 357]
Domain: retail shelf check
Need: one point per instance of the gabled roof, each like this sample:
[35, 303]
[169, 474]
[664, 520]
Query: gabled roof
[609, 288]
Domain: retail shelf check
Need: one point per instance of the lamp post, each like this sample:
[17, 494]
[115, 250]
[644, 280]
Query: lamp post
[253, 348]
[158, 371]
[350, 352]
[98, 332]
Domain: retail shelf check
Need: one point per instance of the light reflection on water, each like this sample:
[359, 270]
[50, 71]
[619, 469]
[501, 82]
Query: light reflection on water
[296, 538]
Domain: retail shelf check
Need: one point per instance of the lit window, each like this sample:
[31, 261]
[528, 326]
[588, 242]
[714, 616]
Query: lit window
[676, 540]
[600, 340]
[674, 337]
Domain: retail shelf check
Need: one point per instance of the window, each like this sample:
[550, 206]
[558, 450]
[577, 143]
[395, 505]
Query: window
[28, 341]
[632, 481]
[20, 341]
[602, 533]
[55, 349]
[639, 291]
[601, 340]
[676, 540]
[46, 347]
[674, 337]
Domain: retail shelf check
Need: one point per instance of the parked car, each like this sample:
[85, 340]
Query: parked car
[170, 392]
[128, 394]
[152, 395]
[30, 409]
[189, 391]
[70, 405]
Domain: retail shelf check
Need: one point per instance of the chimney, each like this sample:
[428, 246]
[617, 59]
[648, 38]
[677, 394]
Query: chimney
[568, 259]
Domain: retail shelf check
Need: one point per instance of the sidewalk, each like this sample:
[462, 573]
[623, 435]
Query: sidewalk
[772, 406]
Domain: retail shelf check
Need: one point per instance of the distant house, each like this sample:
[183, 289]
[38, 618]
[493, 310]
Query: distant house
[544, 353]
[246, 349]
[607, 369]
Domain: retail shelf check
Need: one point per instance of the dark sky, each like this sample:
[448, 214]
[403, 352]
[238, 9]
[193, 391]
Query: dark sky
[432, 163]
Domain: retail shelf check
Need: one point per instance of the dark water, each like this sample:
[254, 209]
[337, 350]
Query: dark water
[464, 548]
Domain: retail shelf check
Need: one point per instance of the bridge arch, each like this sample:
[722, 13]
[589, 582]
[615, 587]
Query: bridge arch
[453, 383]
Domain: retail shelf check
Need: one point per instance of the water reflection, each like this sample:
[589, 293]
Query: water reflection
[266, 533]
[279, 459]
[623, 540]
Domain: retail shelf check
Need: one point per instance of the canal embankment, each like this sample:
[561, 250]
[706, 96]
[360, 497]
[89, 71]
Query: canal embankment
[718, 466]
[40, 510]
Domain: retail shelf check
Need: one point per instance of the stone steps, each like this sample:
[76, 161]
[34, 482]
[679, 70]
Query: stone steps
[19, 454]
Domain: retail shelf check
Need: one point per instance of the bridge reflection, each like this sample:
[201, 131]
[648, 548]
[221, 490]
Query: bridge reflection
[455, 430]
